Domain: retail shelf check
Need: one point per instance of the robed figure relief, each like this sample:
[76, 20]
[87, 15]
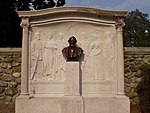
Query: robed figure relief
[108, 56]
[49, 58]
[95, 59]
[60, 61]
[36, 50]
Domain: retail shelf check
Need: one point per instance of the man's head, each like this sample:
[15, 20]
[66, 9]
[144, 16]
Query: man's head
[72, 41]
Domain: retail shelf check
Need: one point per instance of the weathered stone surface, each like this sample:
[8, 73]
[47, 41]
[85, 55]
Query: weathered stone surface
[18, 80]
[9, 66]
[146, 60]
[17, 69]
[132, 95]
[136, 56]
[133, 74]
[1, 74]
[7, 59]
[138, 73]
[8, 71]
[13, 84]
[131, 59]
[19, 88]
[4, 65]
[128, 90]
[1, 70]
[134, 68]
[17, 60]
[126, 70]
[3, 84]
[16, 74]
[15, 96]
[132, 85]
[7, 98]
[2, 90]
[133, 80]
[126, 65]
[10, 91]
[136, 100]
[15, 64]
[2, 98]
[8, 84]
[6, 77]
[138, 80]
[127, 84]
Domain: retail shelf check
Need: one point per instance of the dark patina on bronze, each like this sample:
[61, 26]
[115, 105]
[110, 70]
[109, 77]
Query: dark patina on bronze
[72, 52]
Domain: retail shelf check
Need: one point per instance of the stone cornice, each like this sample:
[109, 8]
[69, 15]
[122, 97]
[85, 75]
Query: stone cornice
[72, 10]
[137, 50]
[10, 51]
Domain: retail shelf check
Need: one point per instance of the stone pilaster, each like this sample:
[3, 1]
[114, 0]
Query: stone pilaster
[120, 56]
[24, 66]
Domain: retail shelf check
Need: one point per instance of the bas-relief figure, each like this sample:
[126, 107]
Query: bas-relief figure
[108, 56]
[99, 56]
[36, 54]
[92, 66]
[51, 65]
[49, 58]
[95, 58]
[60, 61]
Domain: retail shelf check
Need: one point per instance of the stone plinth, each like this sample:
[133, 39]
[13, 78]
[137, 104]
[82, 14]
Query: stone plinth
[106, 104]
[72, 82]
[38, 105]
[72, 104]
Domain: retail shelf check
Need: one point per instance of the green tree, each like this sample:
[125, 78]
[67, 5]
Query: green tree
[134, 31]
[10, 30]
[143, 89]
[25, 5]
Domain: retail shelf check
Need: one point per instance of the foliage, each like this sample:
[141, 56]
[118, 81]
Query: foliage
[143, 89]
[134, 30]
[36, 4]
[10, 30]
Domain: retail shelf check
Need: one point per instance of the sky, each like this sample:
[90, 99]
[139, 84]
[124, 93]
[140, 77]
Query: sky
[127, 5]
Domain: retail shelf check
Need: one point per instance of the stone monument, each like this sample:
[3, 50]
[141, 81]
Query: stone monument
[57, 78]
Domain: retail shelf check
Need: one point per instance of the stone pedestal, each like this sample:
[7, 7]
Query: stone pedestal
[72, 82]
[72, 102]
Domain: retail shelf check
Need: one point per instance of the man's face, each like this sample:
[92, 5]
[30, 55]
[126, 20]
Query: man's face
[72, 42]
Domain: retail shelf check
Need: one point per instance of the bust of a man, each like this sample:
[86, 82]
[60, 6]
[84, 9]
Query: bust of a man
[72, 52]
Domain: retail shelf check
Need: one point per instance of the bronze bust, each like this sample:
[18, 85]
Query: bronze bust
[72, 52]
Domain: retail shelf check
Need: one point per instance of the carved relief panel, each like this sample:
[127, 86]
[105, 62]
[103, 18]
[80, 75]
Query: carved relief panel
[97, 41]
[99, 59]
[47, 62]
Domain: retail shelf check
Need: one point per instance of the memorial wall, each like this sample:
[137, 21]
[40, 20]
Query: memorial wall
[92, 84]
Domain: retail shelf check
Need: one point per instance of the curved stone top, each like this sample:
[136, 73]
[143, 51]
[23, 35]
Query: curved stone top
[72, 10]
